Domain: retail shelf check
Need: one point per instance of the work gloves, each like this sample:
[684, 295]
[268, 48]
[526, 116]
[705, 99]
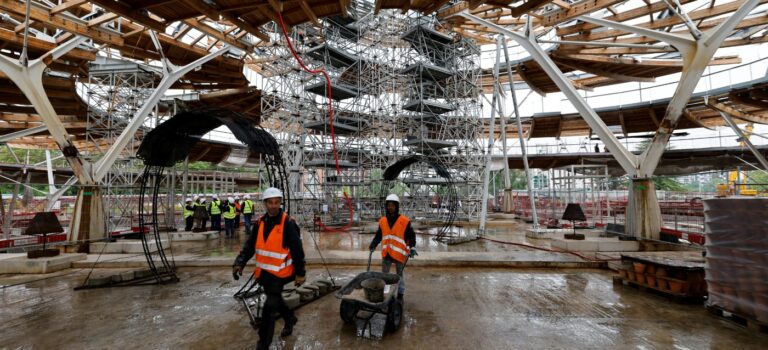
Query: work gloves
[299, 280]
[412, 253]
[237, 271]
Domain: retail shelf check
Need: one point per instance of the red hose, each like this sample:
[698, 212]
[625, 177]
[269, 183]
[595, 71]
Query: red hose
[330, 114]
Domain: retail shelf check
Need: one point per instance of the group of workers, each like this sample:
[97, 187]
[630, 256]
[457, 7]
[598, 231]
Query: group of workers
[275, 241]
[197, 212]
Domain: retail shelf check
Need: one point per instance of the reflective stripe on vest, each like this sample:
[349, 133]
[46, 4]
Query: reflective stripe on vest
[247, 206]
[393, 240]
[215, 207]
[270, 254]
[230, 214]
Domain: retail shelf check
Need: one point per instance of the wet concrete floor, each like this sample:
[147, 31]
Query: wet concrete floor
[445, 308]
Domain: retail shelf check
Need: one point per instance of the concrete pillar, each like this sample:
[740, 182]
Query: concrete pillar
[643, 216]
[89, 225]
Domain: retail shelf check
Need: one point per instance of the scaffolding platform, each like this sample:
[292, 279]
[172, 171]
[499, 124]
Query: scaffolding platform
[415, 35]
[330, 163]
[335, 57]
[340, 91]
[428, 106]
[426, 181]
[429, 144]
[347, 26]
[427, 71]
[338, 128]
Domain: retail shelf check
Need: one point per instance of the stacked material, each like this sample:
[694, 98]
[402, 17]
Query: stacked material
[737, 256]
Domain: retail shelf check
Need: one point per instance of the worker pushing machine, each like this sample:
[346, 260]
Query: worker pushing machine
[276, 242]
[397, 239]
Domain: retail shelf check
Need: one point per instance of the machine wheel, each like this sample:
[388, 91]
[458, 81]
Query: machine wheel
[395, 315]
[347, 310]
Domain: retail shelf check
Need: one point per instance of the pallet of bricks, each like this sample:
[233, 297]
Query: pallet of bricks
[737, 259]
[676, 274]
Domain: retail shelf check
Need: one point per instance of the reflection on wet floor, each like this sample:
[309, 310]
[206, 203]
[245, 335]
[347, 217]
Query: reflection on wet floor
[445, 308]
[356, 241]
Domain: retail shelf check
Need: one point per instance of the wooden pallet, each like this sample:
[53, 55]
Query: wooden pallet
[749, 323]
[677, 297]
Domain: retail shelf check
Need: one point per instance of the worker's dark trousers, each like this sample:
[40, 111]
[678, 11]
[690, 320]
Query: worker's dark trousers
[216, 222]
[247, 219]
[385, 266]
[229, 227]
[190, 222]
[273, 304]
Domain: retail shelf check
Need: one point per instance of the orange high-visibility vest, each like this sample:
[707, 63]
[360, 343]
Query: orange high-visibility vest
[393, 240]
[271, 255]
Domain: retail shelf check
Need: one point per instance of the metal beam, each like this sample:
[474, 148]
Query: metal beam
[491, 136]
[22, 133]
[626, 159]
[528, 177]
[683, 44]
[30, 81]
[745, 139]
[171, 75]
[694, 63]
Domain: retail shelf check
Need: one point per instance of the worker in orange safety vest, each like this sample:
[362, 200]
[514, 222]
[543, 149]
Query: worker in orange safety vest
[276, 242]
[397, 240]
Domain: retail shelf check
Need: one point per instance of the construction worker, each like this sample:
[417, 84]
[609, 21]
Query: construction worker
[276, 242]
[228, 207]
[189, 213]
[397, 240]
[247, 213]
[238, 210]
[215, 210]
[201, 214]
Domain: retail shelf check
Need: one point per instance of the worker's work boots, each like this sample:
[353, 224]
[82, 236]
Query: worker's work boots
[288, 328]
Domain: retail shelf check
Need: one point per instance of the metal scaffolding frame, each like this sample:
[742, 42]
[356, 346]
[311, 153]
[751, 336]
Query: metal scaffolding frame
[395, 95]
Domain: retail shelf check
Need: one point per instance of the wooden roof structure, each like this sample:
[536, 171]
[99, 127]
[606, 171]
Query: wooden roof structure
[190, 29]
[749, 105]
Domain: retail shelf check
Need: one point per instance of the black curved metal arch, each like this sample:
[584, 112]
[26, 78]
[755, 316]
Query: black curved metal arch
[393, 171]
[171, 142]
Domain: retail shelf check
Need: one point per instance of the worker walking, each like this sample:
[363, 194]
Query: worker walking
[276, 242]
[228, 208]
[397, 239]
[189, 213]
[247, 213]
[215, 210]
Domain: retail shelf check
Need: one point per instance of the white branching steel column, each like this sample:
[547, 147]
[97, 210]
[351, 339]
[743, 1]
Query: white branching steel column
[626, 159]
[745, 139]
[528, 177]
[491, 136]
[697, 51]
[172, 74]
[29, 79]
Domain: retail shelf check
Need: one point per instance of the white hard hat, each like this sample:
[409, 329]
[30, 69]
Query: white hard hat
[230, 199]
[202, 200]
[393, 198]
[197, 197]
[215, 196]
[188, 199]
[271, 193]
[247, 196]
[237, 198]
